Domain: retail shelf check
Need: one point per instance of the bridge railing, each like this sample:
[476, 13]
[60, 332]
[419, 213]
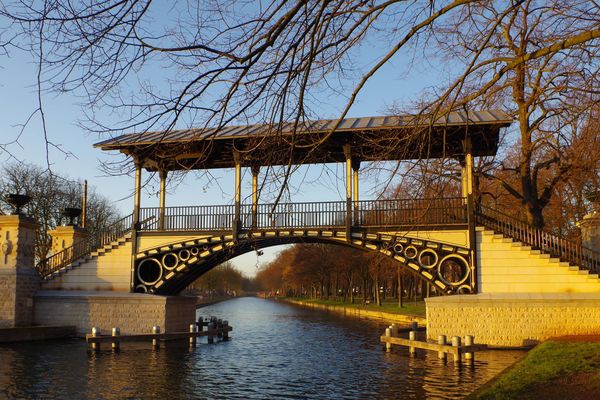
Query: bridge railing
[403, 212]
[411, 212]
[566, 250]
[84, 247]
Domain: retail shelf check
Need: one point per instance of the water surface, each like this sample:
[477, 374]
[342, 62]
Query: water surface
[277, 351]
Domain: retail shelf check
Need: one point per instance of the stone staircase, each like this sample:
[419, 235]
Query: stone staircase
[509, 266]
[106, 268]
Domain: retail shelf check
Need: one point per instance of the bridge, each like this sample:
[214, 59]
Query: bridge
[461, 248]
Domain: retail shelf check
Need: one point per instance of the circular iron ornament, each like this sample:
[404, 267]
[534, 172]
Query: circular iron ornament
[149, 271]
[398, 248]
[462, 264]
[428, 265]
[194, 251]
[205, 248]
[141, 289]
[184, 254]
[411, 252]
[170, 261]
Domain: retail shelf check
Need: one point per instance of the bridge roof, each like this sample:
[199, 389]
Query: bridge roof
[371, 139]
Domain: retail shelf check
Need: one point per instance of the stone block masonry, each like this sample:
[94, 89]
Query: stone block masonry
[133, 313]
[514, 319]
[18, 278]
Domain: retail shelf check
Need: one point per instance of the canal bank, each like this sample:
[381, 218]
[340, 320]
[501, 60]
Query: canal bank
[560, 368]
[356, 310]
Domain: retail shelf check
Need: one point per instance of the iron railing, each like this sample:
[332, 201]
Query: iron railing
[556, 246]
[403, 212]
[84, 247]
[411, 212]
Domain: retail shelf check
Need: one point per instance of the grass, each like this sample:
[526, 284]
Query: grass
[552, 370]
[388, 305]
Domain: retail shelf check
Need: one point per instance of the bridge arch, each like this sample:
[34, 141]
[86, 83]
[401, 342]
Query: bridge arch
[169, 268]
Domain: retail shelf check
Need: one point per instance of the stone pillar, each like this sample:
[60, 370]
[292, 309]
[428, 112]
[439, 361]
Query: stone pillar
[590, 231]
[18, 278]
[65, 236]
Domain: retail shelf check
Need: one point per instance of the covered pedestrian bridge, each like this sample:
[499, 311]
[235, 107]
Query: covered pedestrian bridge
[188, 241]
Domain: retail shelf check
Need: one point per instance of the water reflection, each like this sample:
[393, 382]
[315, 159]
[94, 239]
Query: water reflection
[277, 351]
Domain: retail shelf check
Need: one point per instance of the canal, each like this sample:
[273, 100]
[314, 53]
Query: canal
[277, 351]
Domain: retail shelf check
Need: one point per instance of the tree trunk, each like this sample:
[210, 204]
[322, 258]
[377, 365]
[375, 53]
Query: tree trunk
[400, 289]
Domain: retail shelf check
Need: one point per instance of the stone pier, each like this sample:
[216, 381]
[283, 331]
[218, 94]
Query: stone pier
[514, 319]
[18, 278]
[133, 313]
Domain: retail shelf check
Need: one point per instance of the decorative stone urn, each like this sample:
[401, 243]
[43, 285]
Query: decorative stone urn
[71, 213]
[17, 201]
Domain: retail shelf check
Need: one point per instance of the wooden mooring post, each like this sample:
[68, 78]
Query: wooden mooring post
[115, 338]
[455, 348]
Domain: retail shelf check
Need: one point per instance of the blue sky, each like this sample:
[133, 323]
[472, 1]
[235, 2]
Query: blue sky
[397, 82]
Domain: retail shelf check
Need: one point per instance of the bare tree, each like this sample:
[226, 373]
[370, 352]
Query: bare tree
[227, 61]
[50, 194]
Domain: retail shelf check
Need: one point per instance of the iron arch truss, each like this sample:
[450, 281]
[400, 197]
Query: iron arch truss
[169, 268]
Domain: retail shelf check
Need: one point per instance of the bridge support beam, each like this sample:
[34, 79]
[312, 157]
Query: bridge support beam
[162, 196]
[238, 192]
[467, 181]
[348, 155]
[355, 168]
[255, 171]
[137, 195]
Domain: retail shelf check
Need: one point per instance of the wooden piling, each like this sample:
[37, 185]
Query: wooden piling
[219, 326]
[95, 333]
[115, 333]
[456, 343]
[156, 341]
[388, 345]
[225, 331]
[442, 342]
[394, 330]
[412, 335]
[469, 341]
[193, 329]
[210, 327]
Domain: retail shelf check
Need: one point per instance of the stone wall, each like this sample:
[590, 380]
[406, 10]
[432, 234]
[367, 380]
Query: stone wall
[513, 319]
[133, 313]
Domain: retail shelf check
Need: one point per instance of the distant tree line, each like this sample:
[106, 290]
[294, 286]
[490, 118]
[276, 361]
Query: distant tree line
[223, 280]
[341, 273]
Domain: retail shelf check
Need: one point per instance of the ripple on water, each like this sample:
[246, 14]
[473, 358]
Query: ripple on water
[277, 351]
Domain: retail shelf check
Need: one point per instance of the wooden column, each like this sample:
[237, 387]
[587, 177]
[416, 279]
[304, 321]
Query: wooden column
[255, 171]
[355, 168]
[348, 155]
[238, 192]
[162, 198]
